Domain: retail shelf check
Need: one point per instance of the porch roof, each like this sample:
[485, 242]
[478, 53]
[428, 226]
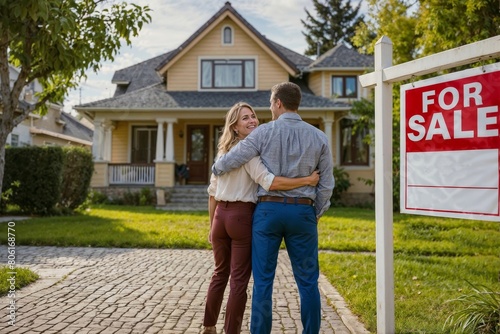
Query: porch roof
[156, 97]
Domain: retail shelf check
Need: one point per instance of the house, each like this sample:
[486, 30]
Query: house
[169, 110]
[56, 127]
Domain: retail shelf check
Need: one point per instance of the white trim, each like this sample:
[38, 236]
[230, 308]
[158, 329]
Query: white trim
[118, 82]
[342, 69]
[60, 136]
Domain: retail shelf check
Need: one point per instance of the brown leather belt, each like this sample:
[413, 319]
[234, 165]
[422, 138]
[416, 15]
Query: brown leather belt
[287, 200]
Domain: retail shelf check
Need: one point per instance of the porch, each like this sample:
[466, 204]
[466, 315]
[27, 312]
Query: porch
[158, 174]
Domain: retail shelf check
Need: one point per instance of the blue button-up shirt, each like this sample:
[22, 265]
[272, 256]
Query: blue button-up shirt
[288, 147]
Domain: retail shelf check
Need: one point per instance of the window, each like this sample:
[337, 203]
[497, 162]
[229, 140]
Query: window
[354, 151]
[14, 140]
[144, 144]
[345, 86]
[227, 74]
[227, 35]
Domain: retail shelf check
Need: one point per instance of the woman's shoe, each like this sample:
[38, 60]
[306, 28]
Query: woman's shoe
[209, 330]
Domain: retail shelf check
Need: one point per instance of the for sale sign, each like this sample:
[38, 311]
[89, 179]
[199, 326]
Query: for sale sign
[450, 145]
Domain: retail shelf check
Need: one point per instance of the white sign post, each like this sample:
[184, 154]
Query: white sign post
[450, 145]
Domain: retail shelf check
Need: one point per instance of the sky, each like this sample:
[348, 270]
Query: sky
[174, 21]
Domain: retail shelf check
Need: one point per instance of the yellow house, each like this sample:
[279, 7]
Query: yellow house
[168, 111]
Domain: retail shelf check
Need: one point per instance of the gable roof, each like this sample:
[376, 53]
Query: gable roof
[145, 73]
[228, 10]
[341, 57]
[74, 128]
[139, 75]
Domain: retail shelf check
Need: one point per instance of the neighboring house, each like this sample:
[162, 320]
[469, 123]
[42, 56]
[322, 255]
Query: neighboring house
[56, 127]
[169, 110]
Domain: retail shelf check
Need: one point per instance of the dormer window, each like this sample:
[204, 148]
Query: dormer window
[345, 86]
[227, 35]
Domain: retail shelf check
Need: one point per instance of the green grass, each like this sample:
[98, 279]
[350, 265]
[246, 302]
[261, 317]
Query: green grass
[433, 257]
[117, 226]
[22, 277]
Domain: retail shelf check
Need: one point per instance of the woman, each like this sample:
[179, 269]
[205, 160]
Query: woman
[232, 199]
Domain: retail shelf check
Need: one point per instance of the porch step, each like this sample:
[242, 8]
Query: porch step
[187, 198]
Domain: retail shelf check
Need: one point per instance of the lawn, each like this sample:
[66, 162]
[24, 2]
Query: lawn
[434, 258]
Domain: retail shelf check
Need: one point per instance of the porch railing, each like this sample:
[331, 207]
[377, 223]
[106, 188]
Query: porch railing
[131, 174]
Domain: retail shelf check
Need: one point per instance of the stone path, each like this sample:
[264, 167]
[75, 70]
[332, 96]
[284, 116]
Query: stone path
[111, 290]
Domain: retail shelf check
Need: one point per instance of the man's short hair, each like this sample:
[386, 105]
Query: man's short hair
[289, 94]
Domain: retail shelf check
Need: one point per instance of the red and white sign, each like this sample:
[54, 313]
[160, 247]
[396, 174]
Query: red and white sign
[450, 144]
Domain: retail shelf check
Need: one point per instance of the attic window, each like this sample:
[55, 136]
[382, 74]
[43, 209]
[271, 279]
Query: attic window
[345, 86]
[227, 36]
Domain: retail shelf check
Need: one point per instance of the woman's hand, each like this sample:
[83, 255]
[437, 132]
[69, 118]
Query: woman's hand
[313, 178]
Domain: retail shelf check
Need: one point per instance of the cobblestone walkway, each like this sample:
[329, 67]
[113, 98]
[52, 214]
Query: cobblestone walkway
[110, 290]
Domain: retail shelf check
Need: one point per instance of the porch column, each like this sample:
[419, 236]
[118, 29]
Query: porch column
[108, 135]
[328, 131]
[97, 141]
[159, 141]
[169, 145]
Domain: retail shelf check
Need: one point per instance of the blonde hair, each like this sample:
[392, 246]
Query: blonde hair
[229, 137]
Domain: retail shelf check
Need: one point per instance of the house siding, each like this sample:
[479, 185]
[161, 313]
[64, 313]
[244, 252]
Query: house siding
[184, 74]
[316, 83]
[120, 143]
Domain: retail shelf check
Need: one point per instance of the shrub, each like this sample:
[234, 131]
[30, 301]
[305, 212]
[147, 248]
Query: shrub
[37, 171]
[97, 197]
[76, 176]
[142, 198]
[342, 184]
[46, 180]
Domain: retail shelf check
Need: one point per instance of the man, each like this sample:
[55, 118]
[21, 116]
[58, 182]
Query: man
[288, 147]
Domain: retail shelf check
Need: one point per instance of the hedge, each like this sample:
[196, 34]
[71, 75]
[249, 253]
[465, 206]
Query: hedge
[45, 179]
[37, 173]
[77, 173]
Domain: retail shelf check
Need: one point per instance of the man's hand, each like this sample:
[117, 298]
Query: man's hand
[313, 179]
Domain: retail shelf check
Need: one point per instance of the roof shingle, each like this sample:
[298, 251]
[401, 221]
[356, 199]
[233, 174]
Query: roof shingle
[156, 97]
[342, 57]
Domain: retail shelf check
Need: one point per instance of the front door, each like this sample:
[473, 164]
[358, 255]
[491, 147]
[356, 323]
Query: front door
[197, 153]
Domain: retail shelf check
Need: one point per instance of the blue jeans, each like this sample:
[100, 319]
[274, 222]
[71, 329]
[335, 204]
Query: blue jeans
[297, 225]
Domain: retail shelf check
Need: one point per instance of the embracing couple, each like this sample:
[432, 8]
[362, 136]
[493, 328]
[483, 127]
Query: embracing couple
[269, 183]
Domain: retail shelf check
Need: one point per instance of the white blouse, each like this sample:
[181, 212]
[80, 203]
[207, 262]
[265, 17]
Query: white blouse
[241, 184]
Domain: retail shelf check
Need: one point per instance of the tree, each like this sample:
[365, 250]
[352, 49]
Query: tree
[336, 22]
[419, 28]
[444, 25]
[55, 42]
[393, 18]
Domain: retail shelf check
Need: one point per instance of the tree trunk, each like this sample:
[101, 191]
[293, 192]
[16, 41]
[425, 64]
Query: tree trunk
[6, 127]
[3, 141]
